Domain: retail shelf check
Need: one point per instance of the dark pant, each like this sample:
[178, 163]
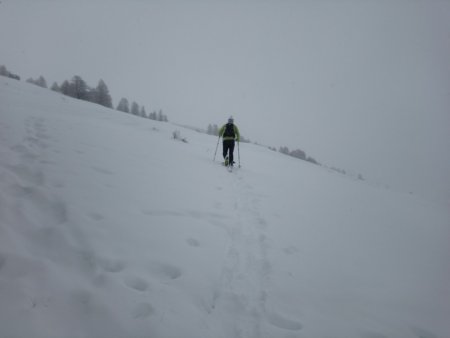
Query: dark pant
[228, 148]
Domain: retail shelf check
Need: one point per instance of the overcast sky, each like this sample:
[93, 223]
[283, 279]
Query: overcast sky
[360, 85]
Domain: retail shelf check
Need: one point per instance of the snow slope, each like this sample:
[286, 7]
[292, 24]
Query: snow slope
[111, 228]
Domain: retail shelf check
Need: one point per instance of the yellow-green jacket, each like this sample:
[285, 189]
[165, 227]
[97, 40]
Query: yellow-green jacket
[225, 138]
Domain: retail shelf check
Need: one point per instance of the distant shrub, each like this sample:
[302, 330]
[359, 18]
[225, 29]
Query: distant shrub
[177, 136]
[310, 159]
[40, 81]
[298, 154]
[5, 72]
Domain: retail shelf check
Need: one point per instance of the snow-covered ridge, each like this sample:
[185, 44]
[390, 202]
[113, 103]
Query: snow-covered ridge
[110, 228]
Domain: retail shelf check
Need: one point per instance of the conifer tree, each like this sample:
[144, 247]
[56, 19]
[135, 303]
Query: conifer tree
[65, 88]
[284, 150]
[160, 116]
[78, 88]
[298, 154]
[134, 108]
[101, 95]
[41, 82]
[55, 87]
[123, 105]
[4, 71]
[143, 113]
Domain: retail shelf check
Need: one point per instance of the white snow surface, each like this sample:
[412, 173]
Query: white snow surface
[111, 228]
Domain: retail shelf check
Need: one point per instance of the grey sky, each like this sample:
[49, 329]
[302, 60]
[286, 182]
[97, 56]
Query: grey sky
[360, 85]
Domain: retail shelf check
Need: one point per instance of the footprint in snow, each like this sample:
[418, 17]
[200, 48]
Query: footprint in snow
[262, 223]
[101, 280]
[28, 174]
[290, 250]
[58, 184]
[164, 272]
[103, 171]
[46, 210]
[82, 302]
[193, 242]
[25, 154]
[112, 265]
[137, 283]
[284, 323]
[142, 310]
[95, 216]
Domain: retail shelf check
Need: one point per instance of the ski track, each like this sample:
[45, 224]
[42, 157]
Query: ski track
[245, 276]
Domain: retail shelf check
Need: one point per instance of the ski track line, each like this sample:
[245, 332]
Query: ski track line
[246, 269]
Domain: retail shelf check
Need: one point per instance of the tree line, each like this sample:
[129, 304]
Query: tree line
[134, 109]
[297, 153]
[7, 73]
[79, 89]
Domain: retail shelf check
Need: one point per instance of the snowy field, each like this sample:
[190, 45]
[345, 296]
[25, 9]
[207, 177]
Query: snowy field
[111, 228]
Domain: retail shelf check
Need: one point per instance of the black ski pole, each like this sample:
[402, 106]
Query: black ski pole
[239, 155]
[217, 146]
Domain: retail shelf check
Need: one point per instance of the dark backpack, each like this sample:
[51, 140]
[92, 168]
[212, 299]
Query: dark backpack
[229, 130]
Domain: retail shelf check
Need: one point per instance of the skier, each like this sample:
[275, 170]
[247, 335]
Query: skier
[229, 133]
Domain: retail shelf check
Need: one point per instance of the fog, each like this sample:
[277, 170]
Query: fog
[359, 85]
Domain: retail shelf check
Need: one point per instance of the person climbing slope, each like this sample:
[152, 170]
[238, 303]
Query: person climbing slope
[229, 133]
